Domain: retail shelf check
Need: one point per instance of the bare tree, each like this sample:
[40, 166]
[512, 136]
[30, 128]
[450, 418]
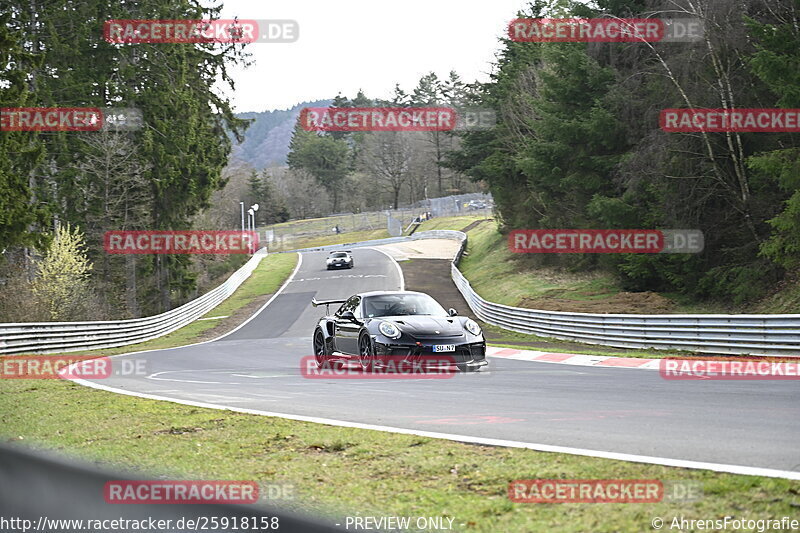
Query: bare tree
[303, 196]
[386, 156]
[111, 178]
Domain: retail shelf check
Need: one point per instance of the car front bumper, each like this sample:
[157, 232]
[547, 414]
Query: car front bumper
[468, 356]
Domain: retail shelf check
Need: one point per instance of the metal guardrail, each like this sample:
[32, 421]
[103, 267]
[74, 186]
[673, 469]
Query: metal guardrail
[761, 335]
[56, 337]
[719, 334]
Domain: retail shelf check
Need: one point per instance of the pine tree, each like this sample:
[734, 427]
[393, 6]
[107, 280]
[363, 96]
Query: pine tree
[22, 151]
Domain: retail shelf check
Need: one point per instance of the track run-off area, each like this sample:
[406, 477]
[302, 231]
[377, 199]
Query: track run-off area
[745, 427]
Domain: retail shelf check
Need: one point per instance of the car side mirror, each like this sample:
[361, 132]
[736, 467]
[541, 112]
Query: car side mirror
[348, 315]
[452, 312]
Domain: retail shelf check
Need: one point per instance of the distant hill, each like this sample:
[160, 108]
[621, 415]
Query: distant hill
[266, 141]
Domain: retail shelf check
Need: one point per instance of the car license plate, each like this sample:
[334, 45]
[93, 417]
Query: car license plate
[444, 348]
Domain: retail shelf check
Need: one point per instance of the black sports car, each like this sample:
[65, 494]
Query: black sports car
[378, 329]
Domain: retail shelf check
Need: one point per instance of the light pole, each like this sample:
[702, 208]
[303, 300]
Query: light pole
[242, 206]
[253, 209]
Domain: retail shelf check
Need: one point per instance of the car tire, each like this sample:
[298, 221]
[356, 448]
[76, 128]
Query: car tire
[366, 353]
[321, 352]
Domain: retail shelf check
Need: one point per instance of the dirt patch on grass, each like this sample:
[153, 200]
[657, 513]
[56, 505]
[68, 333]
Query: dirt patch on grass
[224, 325]
[624, 302]
[475, 224]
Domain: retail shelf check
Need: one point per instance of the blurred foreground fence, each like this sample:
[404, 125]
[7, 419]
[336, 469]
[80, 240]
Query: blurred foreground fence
[54, 494]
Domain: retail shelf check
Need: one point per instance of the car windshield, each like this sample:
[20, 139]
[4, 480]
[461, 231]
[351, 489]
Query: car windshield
[402, 304]
[339, 254]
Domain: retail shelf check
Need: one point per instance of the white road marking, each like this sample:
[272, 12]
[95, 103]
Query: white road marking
[264, 377]
[341, 277]
[396, 265]
[280, 290]
[679, 463]
[155, 378]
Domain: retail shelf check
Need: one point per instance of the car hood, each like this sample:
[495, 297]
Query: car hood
[427, 326]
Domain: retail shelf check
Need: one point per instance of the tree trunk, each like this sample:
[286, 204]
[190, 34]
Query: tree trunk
[131, 300]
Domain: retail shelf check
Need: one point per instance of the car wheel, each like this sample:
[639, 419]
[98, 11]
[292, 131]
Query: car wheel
[366, 353]
[321, 350]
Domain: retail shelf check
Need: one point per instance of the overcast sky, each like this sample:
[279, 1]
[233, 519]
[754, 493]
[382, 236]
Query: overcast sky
[346, 45]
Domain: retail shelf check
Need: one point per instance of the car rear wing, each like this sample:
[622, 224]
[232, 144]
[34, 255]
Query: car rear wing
[326, 303]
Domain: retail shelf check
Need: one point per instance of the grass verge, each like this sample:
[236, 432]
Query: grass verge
[327, 240]
[454, 223]
[501, 276]
[497, 275]
[341, 471]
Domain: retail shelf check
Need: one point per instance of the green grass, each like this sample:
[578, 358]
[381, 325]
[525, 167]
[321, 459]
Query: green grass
[342, 471]
[495, 274]
[324, 224]
[454, 223]
[785, 300]
[266, 279]
[501, 276]
[342, 238]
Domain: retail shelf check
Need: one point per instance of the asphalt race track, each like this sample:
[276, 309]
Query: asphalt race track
[625, 411]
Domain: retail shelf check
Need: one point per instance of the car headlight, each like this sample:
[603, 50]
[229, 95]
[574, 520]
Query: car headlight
[390, 330]
[472, 327]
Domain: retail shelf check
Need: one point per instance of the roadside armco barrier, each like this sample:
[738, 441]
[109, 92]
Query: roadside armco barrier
[56, 337]
[718, 334]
